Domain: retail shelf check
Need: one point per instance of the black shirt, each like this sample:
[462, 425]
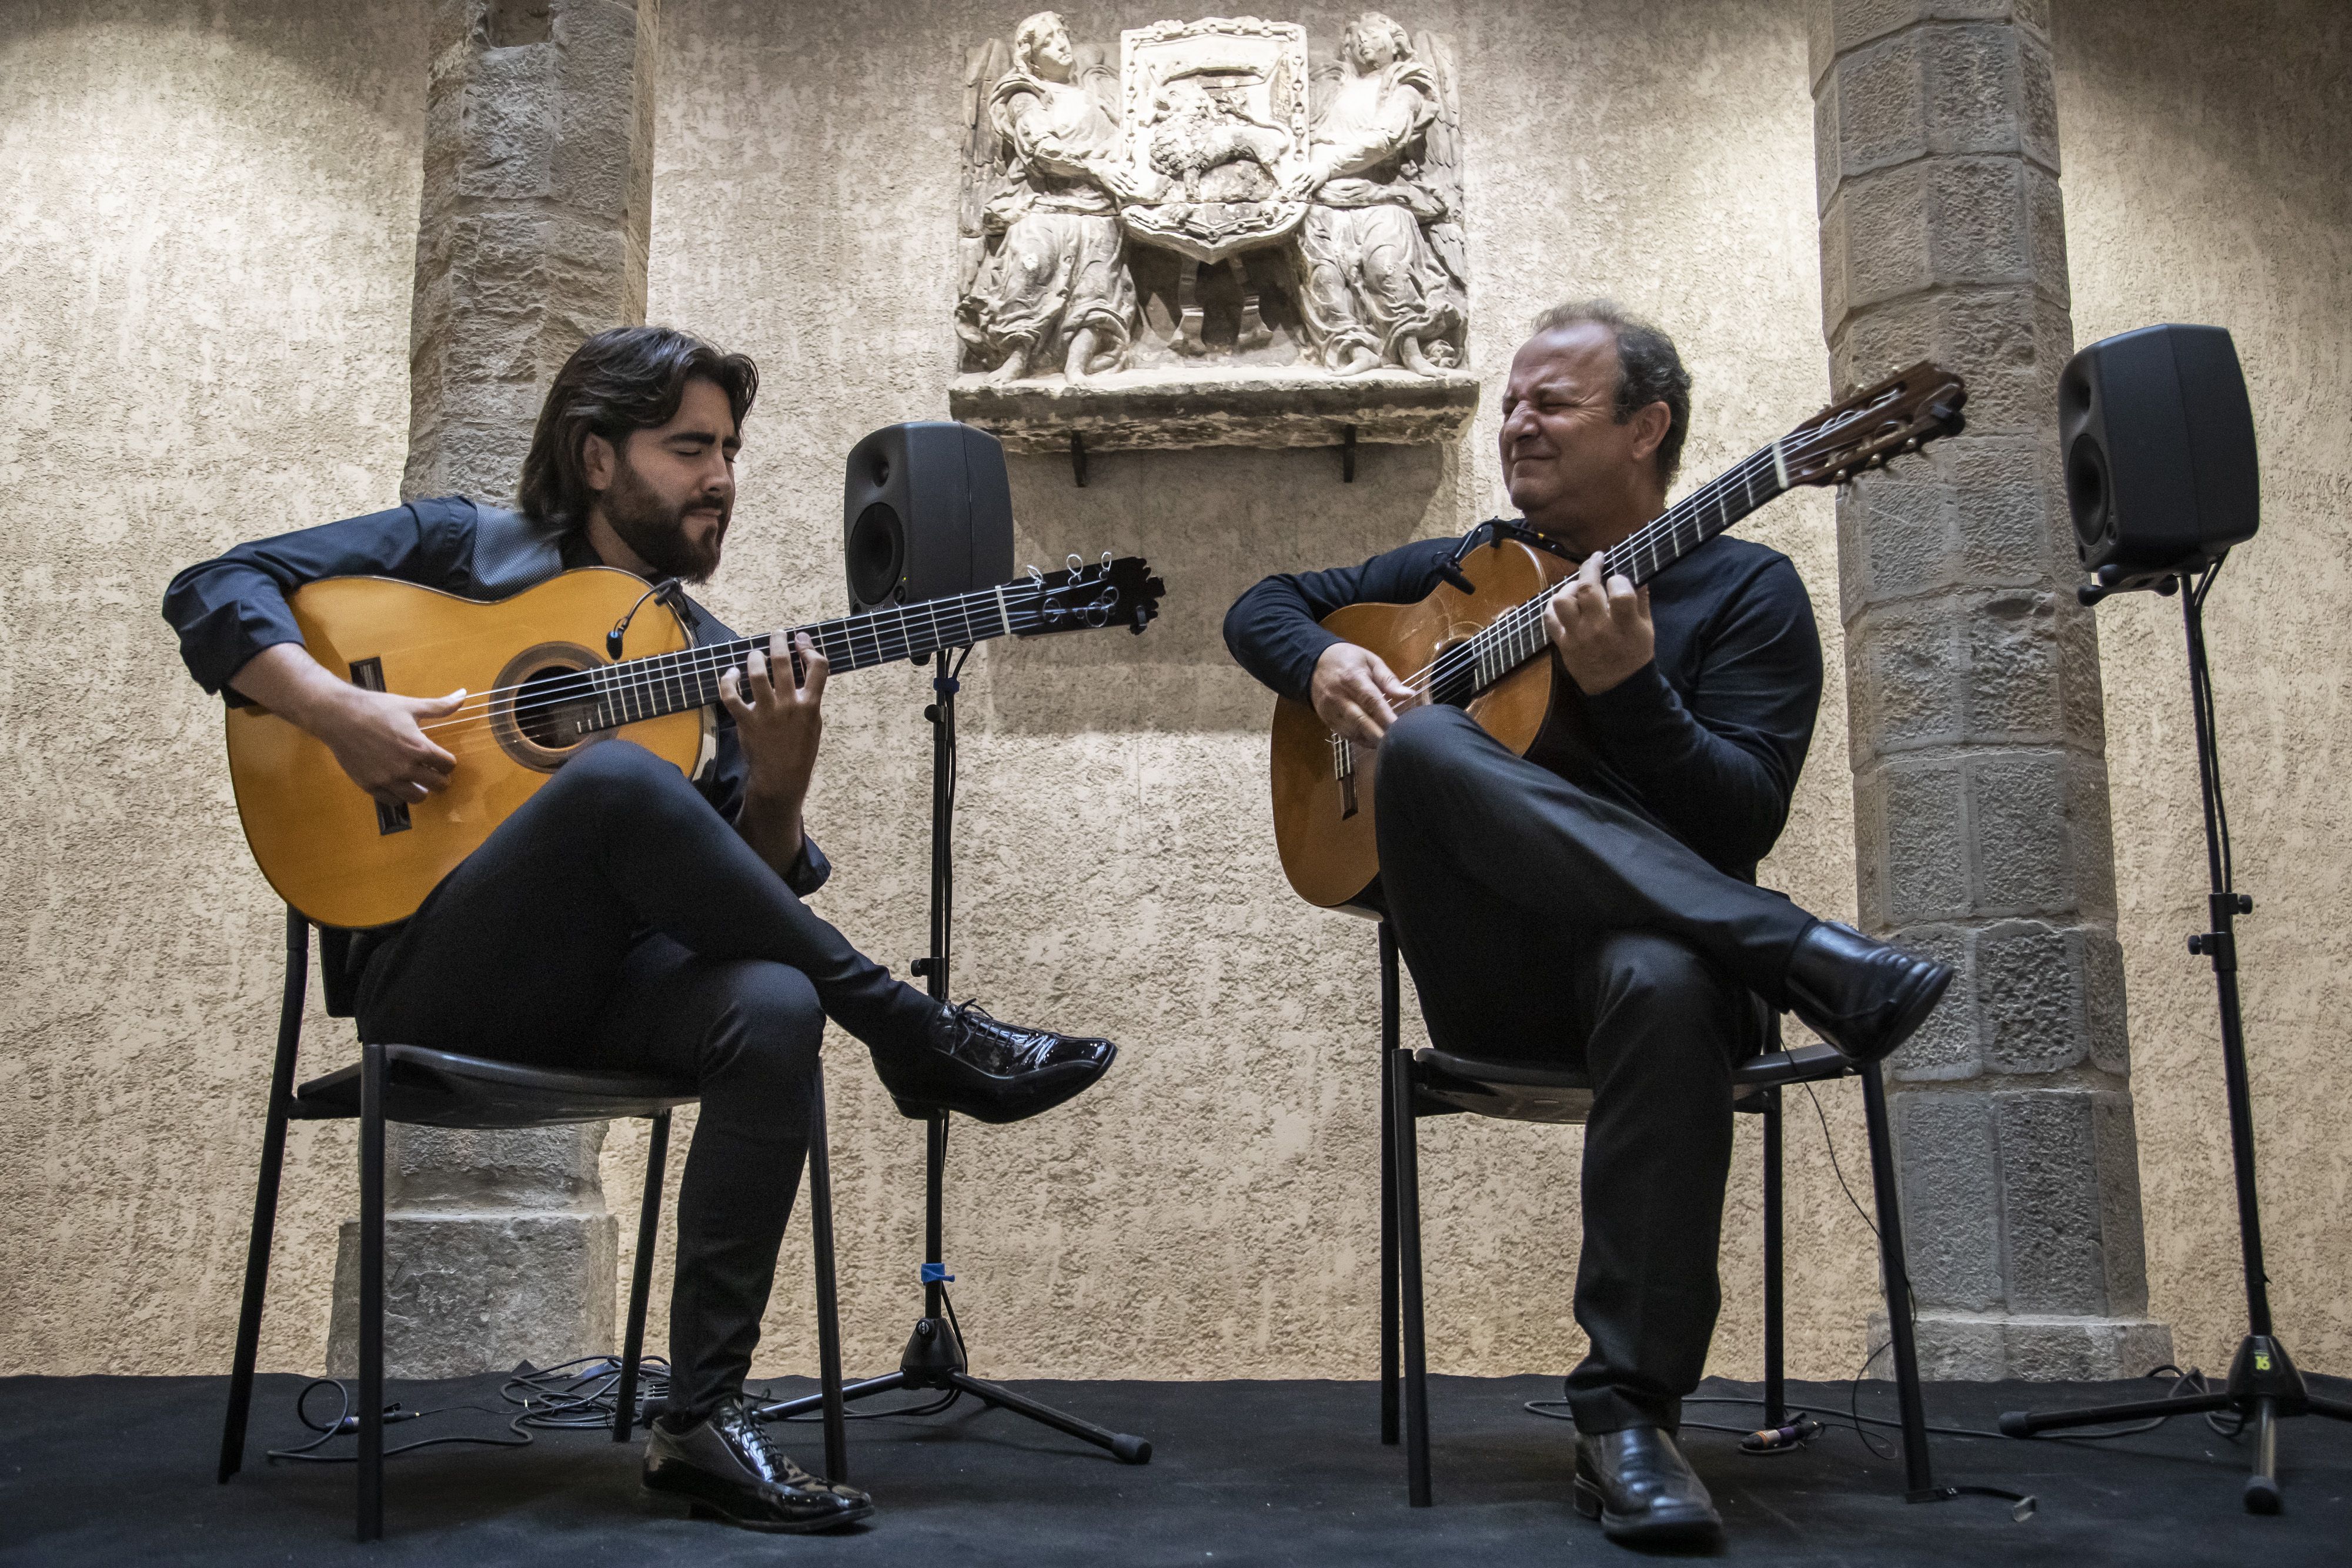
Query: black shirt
[230, 608]
[1706, 741]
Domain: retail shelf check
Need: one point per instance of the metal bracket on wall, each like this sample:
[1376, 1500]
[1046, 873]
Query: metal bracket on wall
[1078, 459]
[1347, 456]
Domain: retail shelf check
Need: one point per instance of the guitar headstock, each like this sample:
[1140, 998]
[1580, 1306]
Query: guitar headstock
[1088, 594]
[1899, 414]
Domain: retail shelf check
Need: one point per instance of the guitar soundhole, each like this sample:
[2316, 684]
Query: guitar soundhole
[546, 711]
[543, 705]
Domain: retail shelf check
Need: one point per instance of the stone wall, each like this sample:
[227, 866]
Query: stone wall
[208, 237]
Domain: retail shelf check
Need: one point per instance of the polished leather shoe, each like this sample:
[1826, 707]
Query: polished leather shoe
[989, 1070]
[1863, 997]
[723, 1466]
[1639, 1486]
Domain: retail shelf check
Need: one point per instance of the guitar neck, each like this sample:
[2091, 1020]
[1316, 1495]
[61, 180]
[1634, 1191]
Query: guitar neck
[671, 683]
[1517, 635]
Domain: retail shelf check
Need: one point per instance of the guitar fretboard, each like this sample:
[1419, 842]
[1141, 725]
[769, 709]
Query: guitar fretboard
[1517, 635]
[672, 683]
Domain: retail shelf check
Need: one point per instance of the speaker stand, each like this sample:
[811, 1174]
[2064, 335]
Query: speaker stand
[934, 1357]
[2264, 1388]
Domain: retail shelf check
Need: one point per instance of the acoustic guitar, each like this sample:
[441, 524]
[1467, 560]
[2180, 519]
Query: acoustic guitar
[587, 653]
[1481, 647]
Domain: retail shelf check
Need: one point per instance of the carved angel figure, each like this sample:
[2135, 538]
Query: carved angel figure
[1052, 284]
[1380, 275]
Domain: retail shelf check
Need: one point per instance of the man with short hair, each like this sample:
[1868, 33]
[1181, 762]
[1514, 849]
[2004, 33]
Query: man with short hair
[1595, 900]
[624, 916]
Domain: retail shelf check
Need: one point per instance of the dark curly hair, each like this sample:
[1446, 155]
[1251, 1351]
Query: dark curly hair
[630, 378]
[1649, 369]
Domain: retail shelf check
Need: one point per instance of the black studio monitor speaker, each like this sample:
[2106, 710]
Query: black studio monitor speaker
[926, 511]
[2158, 441]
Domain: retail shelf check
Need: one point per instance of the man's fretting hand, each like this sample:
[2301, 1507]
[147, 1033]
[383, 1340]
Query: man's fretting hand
[1601, 630]
[779, 725]
[1357, 695]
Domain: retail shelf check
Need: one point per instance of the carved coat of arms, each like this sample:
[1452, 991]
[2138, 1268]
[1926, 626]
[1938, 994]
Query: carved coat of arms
[1213, 199]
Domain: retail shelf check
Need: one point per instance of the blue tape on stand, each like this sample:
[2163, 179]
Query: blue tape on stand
[933, 1273]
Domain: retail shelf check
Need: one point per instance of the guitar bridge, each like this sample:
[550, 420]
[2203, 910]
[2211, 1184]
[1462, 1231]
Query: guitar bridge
[368, 675]
[1343, 768]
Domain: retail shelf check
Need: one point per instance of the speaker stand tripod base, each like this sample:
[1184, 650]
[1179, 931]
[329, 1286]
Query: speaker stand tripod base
[2264, 1388]
[934, 1358]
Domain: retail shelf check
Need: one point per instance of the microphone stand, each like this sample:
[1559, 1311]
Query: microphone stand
[2263, 1386]
[934, 1357]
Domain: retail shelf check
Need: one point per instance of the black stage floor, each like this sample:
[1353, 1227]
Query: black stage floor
[112, 1470]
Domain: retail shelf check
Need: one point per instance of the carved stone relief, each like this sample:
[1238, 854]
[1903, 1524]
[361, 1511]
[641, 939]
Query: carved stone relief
[1194, 249]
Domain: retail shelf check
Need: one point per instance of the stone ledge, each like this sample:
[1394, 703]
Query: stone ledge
[1136, 410]
[1984, 1347]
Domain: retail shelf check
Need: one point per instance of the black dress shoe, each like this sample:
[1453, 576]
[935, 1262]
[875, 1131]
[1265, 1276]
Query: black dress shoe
[723, 1466]
[990, 1071]
[1863, 997]
[1639, 1486]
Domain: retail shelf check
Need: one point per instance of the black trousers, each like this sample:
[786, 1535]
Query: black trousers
[615, 920]
[1542, 922]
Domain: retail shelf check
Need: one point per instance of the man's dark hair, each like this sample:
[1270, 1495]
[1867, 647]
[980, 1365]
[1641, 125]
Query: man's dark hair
[630, 378]
[1648, 369]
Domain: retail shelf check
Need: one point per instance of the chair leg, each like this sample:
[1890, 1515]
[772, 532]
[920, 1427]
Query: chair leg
[1776, 1384]
[1389, 999]
[641, 1279]
[1409, 1280]
[370, 1395]
[1919, 1475]
[265, 1195]
[828, 1304]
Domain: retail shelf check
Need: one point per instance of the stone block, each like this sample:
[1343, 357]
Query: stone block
[2091, 834]
[2070, 1195]
[2103, 999]
[2030, 994]
[2037, 101]
[1900, 525]
[1880, 113]
[1907, 678]
[1852, 23]
[1999, 339]
[1948, 1167]
[1985, 1348]
[472, 1293]
[1912, 850]
[2013, 658]
[2115, 1142]
[1946, 1048]
[2001, 488]
[2045, 225]
[538, 1169]
[1979, 229]
[2020, 832]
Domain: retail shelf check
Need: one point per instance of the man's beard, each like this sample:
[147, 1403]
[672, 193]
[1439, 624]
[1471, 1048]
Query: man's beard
[657, 531]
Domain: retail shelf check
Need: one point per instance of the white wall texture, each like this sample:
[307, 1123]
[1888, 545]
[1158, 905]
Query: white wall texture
[206, 247]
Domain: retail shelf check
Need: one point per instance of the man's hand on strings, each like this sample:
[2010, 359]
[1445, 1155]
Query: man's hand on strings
[1357, 695]
[779, 724]
[1601, 629]
[385, 741]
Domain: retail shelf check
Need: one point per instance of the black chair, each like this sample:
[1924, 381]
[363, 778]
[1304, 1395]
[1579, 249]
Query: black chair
[439, 1089]
[1430, 1083]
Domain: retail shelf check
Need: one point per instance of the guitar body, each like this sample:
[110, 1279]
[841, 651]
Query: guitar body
[324, 845]
[1323, 820]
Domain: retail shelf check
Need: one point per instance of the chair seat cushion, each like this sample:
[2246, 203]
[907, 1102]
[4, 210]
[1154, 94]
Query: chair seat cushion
[441, 1089]
[1533, 1092]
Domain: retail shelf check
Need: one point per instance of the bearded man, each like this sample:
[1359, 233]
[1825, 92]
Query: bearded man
[624, 916]
[1594, 902]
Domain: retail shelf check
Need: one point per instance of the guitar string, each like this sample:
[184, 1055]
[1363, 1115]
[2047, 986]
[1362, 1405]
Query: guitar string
[476, 738]
[1798, 446]
[1024, 610]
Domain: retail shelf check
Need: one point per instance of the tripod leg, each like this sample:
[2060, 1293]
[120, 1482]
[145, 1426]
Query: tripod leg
[2335, 1409]
[1776, 1380]
[783, 1409]
[2025, 1423]
[1127, 1449]
[641, 1279]
[2262, 1493]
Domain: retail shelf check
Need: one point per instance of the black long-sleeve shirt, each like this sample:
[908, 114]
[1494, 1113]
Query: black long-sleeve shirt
[230, 608]
[1706, 741]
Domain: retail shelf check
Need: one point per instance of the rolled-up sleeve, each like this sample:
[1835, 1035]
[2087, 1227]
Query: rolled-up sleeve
[230, 608]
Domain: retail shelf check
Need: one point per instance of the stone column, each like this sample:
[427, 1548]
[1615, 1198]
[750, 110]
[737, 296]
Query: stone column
[537, 196]
[1975, 730]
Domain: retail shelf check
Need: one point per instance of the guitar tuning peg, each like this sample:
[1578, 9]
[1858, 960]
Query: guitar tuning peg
[1077, 562]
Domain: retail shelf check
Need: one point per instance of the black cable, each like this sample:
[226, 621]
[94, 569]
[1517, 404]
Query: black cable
[346, 1423]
